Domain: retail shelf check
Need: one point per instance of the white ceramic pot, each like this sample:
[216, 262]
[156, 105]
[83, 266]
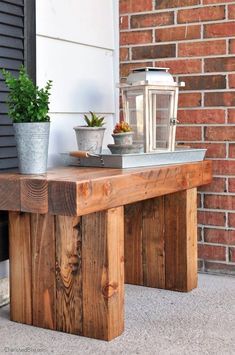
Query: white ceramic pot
[90, 138]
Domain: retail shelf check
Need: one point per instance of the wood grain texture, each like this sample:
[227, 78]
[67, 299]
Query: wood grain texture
[133, 246]
[34, 195]
[62, 198]
[144, 243]
[20, 267]
[132, 185]
[68, 275]
[181, 240]
[153, 243]
[9, 193]
[103, 274]
[78, 191]
[43, 270]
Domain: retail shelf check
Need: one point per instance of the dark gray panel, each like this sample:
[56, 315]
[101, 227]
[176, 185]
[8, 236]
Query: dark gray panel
[11, 42]
[8, 163]
[11, 19]
[3, 108]
[3, 97]
[6, 130]
[11, 31]
[4, 120]
[11, 53]
[7, 141]
[9, 8]
[3, 86]
[8, 152]
[15, 2]
[10, 63]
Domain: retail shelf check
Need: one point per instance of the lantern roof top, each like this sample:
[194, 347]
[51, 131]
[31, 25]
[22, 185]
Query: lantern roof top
[150, 76]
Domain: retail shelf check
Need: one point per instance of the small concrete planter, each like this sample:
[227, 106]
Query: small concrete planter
[90, 139]
[125, 138]
[32, 139]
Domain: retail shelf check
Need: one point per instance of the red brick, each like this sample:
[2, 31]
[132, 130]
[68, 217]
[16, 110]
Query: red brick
[226, 202]
[211, 218]
[219, 30]
[215, 1]
[225, 133]
[223, 167]
[188, 133]
[200, 14]
[124, 54]
[126, 68]
[219, 236]
[199, 200]
[177, 33]
[135, 5]
[199, 234]
[214, 150]
[231, 80]
[220, 98]
[164, 4]
[204, 82]
[231, 182]
[231, 220]
[231, 11]
[220, 64]
[232, 150]
[135, 37]
[211, 252]
[123, 22]
[152, 20]
[219, 267]
[231, 115]
[217, 185]
[153, 52]
[202, 48]
[232, 255]
[202, 116]
[190, 99]
[181, 66]
[200, 265]
[232, 46]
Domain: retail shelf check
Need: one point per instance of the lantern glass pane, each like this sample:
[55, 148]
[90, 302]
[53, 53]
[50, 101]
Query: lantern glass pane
[134, 113]
[161, 113]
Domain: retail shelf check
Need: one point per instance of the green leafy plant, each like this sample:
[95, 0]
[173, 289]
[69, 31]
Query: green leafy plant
[122, 127]
[94, 120]
[26, 102]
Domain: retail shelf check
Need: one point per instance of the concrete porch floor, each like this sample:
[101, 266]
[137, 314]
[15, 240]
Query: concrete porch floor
[157, 322]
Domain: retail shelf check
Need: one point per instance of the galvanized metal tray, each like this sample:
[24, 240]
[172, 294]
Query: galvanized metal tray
[123, 161]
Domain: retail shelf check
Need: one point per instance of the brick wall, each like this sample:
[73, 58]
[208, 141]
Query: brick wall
[196, 40]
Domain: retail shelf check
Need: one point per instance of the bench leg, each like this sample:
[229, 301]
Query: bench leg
[67, 273]
[161, 242]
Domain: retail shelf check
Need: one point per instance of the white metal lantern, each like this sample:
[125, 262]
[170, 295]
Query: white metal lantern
[150, 100]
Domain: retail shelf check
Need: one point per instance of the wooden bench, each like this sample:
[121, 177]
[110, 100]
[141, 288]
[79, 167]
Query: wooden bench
[73, 229]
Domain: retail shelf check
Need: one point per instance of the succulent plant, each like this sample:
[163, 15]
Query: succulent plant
[94, 120]
[122, 127]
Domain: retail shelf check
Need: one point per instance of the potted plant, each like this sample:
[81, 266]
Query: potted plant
[28, 108]
[122, 133]
[123, 140]
[90, 137]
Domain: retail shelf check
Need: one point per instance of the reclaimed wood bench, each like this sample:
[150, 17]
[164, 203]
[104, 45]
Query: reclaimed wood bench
[73, 229]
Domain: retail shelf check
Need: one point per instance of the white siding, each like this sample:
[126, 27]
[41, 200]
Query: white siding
[77, 48]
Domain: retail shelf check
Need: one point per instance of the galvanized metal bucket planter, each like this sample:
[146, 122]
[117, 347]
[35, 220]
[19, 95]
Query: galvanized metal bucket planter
[32, 141]
[90, 139]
